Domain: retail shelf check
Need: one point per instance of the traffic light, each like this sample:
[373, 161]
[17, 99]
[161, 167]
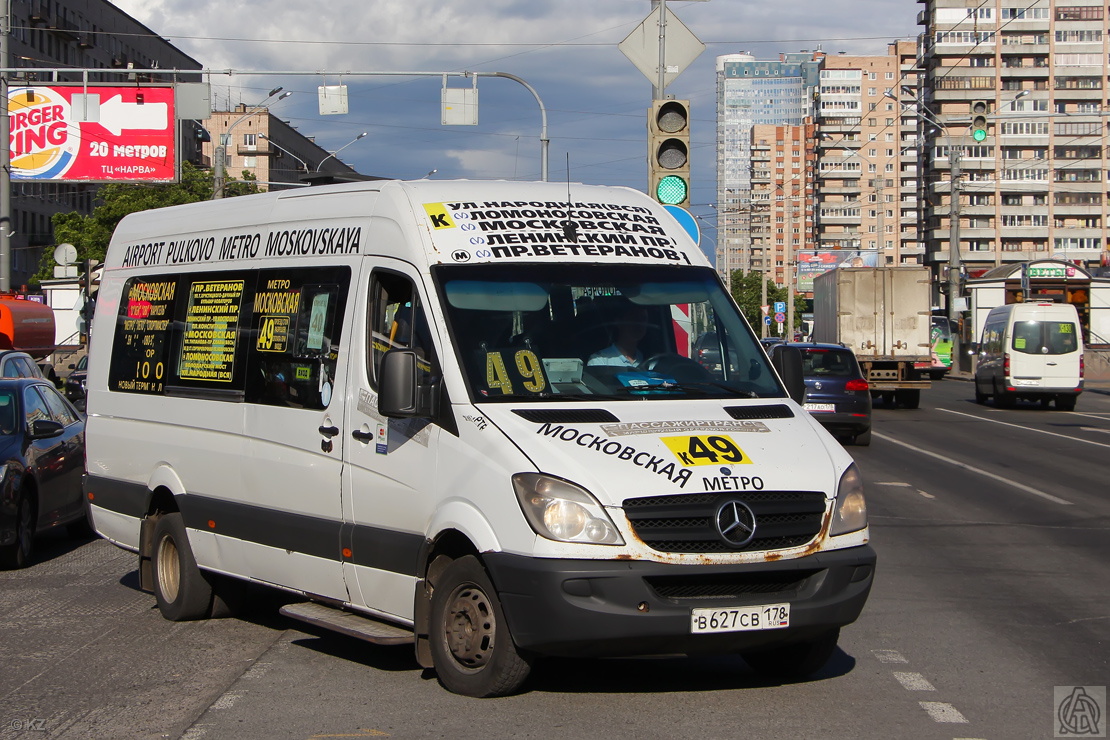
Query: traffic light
[669, 151]
[979, 119]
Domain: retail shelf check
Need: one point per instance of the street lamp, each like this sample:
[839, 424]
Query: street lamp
[218, 177]
[280, 147]
[337, 151]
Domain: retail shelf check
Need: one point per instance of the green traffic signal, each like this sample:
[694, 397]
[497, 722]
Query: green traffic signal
[979, 134]
[671, 190]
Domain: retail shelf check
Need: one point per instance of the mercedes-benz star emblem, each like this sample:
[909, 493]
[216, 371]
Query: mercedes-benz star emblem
[735, 523]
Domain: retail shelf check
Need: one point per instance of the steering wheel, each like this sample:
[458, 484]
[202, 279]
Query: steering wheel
[684, 369]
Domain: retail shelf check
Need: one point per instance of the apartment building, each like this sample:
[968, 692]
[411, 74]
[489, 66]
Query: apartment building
[867, 176]
[1032, 184]
[782, 196]
[275, 153]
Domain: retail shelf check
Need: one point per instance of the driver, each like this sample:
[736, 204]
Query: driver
[623, 352]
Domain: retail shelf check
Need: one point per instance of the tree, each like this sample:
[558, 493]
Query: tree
[747, 292]
[91, 234]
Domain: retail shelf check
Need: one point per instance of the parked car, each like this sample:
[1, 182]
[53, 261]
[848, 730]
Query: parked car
[837, 394]
[75, 382]
[16, 364]
[707, 352]
[42, 460]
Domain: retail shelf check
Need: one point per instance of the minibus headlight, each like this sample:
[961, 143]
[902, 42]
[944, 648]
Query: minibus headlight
[850, 510]
[562, 511]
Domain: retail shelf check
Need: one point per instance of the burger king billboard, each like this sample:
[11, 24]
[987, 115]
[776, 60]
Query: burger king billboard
[92, 134]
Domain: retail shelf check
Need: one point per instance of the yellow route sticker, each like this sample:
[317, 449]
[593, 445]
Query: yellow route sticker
[706, 449]
[438, 215]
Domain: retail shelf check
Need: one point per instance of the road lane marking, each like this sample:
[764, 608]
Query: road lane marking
[1028, 429]
[913, 681]
[889, 656]
[943, 712]
[1095, 429]
[900, 484]
[972, 469]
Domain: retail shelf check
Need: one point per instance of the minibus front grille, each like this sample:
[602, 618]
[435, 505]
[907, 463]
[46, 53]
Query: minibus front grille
[729, 585]
[686, 523]
[750, 413]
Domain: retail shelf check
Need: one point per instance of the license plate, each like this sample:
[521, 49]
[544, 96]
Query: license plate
[819, 406]
[742, 619]
[1027, 381]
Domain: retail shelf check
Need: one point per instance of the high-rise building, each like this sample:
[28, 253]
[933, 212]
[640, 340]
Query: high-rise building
[782, 196]
[868, 169]
[1014, 110]
[751, 92]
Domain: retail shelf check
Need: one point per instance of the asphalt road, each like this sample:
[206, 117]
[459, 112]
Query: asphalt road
[992, 532]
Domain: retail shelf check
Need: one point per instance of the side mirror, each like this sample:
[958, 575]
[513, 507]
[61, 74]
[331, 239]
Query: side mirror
[788, 363]
[44, 428]
[400, 395]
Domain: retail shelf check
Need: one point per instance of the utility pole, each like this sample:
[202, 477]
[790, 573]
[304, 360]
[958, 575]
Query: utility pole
[7, 223]
[954, 263]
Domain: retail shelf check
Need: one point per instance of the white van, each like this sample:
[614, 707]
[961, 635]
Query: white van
[413, 404]
[1032, 351]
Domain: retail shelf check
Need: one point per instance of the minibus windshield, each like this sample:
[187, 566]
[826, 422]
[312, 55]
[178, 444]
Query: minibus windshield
[565, 332]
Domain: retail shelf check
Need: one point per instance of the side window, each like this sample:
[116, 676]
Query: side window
[34, 407]
[25, 368]
[294, 345]
[398, 321]
[260, 336]
[59, 409]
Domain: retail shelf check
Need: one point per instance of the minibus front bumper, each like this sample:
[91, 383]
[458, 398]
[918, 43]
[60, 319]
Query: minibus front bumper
[602, 608]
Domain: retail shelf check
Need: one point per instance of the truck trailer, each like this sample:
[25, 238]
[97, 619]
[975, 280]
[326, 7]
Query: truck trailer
[883, 315]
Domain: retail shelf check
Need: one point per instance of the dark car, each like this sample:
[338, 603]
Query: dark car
[42, 460]
[837, 394]
[75, 382]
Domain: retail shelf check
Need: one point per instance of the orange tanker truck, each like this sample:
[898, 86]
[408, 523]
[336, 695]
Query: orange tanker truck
[27, 326]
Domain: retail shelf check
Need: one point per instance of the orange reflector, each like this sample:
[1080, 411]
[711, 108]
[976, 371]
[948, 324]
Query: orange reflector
[211, 524]
[347, 552]
[91, 496]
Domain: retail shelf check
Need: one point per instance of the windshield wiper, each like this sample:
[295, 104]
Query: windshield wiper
[698, 387]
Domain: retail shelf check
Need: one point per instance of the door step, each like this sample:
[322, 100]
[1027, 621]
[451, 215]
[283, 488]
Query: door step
[349, 623]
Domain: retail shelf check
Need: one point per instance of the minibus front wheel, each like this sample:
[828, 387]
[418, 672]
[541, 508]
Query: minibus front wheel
[472, 650]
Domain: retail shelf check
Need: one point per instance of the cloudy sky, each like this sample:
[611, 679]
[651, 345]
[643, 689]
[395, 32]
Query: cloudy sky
[596, 100]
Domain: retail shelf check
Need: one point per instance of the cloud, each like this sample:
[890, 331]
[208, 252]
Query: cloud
[595, 99]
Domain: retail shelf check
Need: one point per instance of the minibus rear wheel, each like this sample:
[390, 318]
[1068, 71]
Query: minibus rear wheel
[180, 588]
[472, 649]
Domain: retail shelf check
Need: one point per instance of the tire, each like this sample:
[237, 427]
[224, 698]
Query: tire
[180, 588]
[888, 399]
[980, 397]
[863, 439]
[1002, 400]
[18, 554]
[910, 399]
[472, 649]
[1065, 403]
[796, 661]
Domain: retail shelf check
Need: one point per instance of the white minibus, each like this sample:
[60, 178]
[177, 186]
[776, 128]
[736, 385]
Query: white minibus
[465, 416]
[1031, 351]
